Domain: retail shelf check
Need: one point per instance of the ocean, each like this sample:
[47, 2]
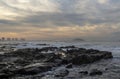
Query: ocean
[113, 65]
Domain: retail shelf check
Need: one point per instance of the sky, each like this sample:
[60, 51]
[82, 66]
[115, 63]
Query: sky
[60, 19]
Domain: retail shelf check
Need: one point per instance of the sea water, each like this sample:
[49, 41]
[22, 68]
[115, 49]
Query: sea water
[113, 65]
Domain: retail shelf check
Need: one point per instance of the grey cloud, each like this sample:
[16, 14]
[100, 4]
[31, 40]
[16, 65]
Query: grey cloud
[96, 14]
[109, 14]
[55, 19]
[72, 13]
[9, 22]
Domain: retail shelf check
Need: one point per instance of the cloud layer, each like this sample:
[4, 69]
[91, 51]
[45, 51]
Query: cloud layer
[60, 19]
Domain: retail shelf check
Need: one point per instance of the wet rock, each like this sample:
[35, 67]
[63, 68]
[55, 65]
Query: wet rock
[68, 47]
[95, 72]
[5, 72]
[33, 61]
[51, 57]
[76, 51]
[44, 44]
[107, 55]
[82, 59]
[106, 69]
[83, 72]
[48, 49]
[92, 51]
[5, 75]
[22, 62]
[3, 64]
[69, 65]
[67, 60]
[83, 56]
[61, 73]
[58, 62]
[34, 69]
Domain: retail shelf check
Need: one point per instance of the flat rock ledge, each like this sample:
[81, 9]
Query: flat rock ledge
[31, 62]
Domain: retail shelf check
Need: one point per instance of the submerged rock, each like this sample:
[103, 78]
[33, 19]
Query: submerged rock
[95, 72]
[61, 73]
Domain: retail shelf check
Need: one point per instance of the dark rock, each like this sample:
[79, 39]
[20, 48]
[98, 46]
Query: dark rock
[48, 49]
[82, 56]
[68, 47]
[106, 69]
[39, 56]
[69, 65]
[42, 44]
[51, 57]
[5, 75]
[61, 73]
[83, 72]
[95, 72]
[92, 51]
[107, 55]
[3, 65]
[82, 59]
[58, 62]
[64, 61]
[21, 62]
[67, 60]
[34, 69]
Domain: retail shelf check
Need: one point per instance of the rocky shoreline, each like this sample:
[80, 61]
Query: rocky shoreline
[34, 63]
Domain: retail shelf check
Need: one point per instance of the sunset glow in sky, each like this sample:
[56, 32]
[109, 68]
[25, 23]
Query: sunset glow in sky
[60, 19]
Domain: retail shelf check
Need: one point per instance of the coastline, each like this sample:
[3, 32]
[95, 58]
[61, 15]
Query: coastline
[48, 61]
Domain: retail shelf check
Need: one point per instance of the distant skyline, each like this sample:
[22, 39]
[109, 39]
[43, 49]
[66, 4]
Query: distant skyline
[11, 39]
[96, 20]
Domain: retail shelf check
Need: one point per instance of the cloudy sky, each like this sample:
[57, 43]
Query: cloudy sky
[60, 19]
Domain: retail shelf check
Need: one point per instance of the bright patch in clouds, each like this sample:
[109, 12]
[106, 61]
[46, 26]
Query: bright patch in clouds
[103, 1]
[32, 5]
[16, 8]
[23, 1]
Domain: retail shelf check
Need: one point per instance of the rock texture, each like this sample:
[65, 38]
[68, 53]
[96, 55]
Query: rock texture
[26, 62]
